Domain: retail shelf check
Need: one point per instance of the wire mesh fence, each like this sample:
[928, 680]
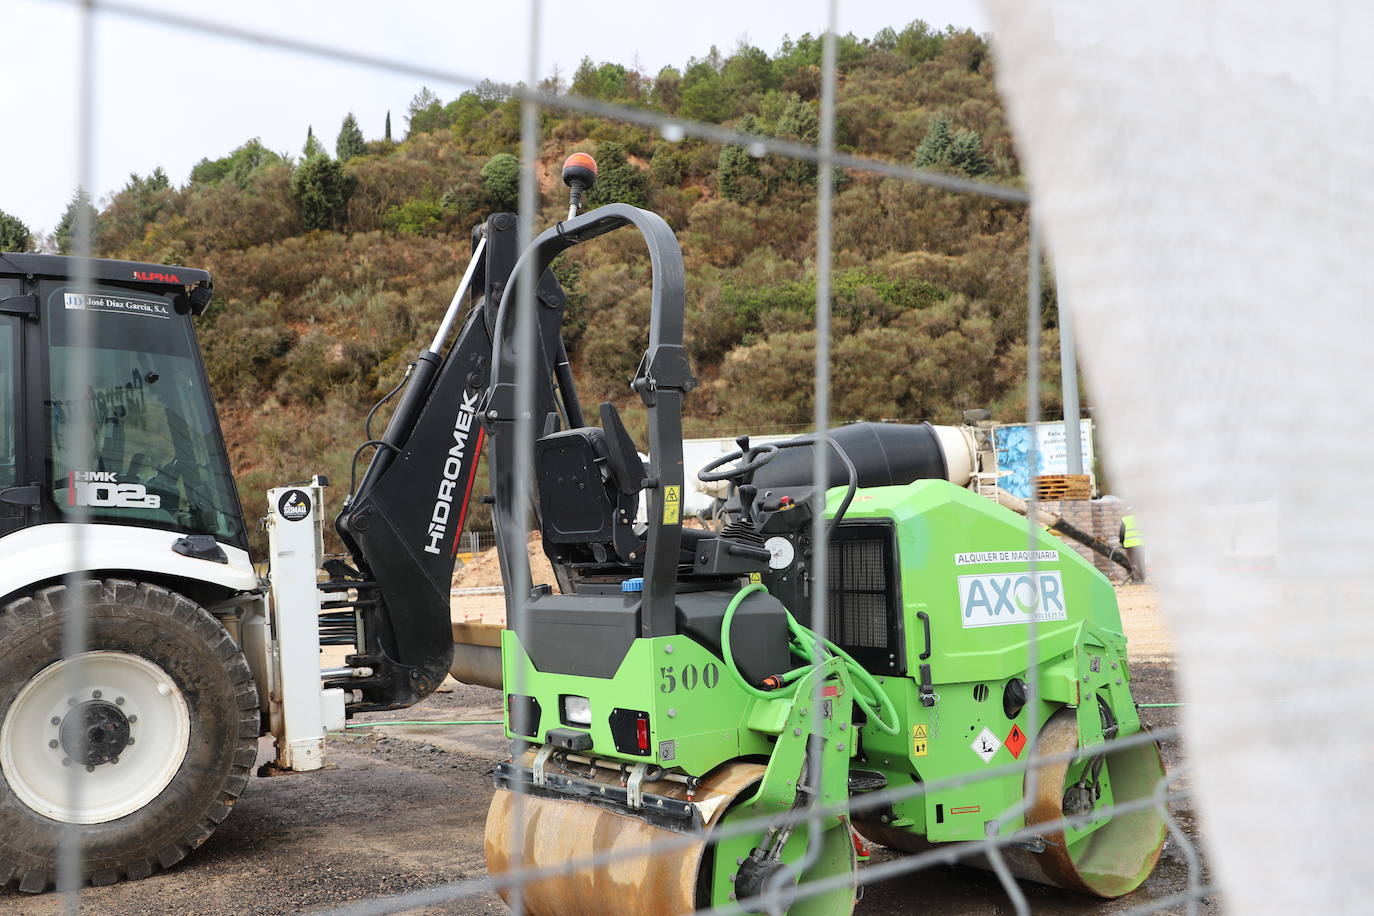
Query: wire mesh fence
[1013, 833]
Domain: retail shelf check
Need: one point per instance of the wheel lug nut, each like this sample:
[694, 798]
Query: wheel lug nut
[89, 768]
[52, 743]
[55, 720]
[114, 760]
[130, 741]
[66, 761]
[96, 694]
[133, 719]
[119, 701]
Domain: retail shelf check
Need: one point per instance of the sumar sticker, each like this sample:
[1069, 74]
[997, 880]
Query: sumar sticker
[294, 505]
[672, 505]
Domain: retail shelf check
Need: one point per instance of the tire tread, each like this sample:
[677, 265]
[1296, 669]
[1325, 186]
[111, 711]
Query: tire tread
[154, 601]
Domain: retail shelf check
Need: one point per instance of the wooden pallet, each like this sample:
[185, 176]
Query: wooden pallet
[1063, 486]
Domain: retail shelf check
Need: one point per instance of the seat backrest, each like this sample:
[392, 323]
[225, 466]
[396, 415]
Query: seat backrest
[578, 500]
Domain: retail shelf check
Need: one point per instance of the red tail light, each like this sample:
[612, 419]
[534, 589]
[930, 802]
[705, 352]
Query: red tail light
[642, 734]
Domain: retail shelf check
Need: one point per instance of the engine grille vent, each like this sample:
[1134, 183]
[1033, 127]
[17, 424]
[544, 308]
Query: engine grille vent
[863, 603]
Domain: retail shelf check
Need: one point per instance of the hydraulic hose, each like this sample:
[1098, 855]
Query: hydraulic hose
[805, 644]
[426, 722]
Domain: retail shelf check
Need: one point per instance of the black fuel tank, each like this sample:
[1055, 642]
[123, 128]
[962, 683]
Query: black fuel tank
[884, 454]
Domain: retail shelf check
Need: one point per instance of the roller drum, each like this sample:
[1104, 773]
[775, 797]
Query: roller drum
[557, 832]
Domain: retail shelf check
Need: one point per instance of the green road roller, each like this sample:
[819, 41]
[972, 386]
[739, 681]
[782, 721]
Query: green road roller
[692, 732]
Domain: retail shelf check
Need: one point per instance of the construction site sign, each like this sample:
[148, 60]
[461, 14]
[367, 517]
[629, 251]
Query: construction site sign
[1013, 447]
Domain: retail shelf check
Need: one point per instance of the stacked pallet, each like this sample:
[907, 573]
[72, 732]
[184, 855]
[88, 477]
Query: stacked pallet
[1063, 486]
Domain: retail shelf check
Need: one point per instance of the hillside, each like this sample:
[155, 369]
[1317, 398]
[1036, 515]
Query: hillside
[331, 267]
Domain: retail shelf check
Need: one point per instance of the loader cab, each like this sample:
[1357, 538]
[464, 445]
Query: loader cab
[105, 408]
[9, 405]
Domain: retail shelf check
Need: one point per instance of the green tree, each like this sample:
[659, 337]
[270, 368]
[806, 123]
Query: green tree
[501, 182]
[320, 190]
[239, 166]
[704, 96]
[491, 93]
[79, 209]
[958, 150]
[387, 135]
[603, 81]
[465, 111]
[799, 121]
[748, 71]
[123, 224]
[934, 149]
[350, 141]
[919, 42]
[665, 168]
[738, 175]
[617, 180]
[312, 147]
[424, 114]
[14, 235]
[667, 90]
[417, 216]
[966, 153]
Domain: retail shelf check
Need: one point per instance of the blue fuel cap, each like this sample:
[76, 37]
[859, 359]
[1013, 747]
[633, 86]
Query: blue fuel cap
[633, 585]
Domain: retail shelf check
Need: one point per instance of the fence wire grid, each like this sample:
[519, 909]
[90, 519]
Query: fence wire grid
[828, 159]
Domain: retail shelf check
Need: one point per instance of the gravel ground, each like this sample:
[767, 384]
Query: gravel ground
[402, 809]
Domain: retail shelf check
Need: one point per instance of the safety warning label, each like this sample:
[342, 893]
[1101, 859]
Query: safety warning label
[1016, 741]
[672, 505]
[920, 746]
[986, 745]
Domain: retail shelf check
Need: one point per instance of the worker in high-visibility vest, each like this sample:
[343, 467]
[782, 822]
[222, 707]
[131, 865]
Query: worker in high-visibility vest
[1129, 535]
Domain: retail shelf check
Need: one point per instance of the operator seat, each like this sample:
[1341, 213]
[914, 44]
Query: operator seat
[589, 481]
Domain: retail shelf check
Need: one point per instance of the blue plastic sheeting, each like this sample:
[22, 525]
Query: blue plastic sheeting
[1013, 446]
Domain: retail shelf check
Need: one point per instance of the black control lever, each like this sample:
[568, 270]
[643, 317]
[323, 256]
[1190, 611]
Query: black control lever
[747, 493]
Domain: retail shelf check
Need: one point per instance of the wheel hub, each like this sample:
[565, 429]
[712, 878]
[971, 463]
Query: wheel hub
[94, 732]
[84, 713]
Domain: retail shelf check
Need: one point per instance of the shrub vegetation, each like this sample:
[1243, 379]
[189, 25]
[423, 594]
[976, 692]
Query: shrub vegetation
[330, 273]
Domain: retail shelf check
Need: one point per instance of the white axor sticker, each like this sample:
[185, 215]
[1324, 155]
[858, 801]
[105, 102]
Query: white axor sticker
[1016, 597]
[102, 490]
[986, 745]
[1005, 556]
[125, 305]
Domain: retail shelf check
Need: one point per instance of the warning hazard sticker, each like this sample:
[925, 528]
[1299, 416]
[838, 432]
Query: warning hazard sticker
[1016, 741]
[986, 745]
[672, 505]
[920, 745]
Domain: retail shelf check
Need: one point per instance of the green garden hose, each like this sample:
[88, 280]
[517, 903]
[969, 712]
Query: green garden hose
[806, 644]
[424, 722]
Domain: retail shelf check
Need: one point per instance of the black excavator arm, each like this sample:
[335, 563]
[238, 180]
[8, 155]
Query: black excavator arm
[403, 522]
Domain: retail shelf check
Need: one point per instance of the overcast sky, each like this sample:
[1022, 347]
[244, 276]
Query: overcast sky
[167, 97]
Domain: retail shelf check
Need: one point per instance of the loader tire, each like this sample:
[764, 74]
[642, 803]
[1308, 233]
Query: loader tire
[178, 682]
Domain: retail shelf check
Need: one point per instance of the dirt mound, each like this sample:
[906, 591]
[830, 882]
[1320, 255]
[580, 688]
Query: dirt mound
[484, 570]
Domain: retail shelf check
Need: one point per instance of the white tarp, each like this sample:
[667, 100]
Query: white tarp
[1203, 174]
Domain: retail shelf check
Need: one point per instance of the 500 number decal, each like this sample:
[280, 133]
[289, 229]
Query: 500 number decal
[689, 677]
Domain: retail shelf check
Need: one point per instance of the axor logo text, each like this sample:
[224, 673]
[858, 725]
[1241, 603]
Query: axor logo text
[1006, 598]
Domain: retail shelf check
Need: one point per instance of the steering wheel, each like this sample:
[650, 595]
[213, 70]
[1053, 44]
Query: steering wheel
[757, 457]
